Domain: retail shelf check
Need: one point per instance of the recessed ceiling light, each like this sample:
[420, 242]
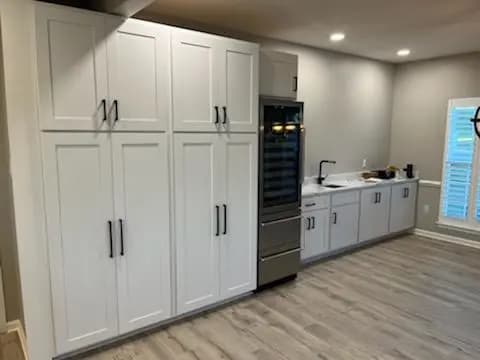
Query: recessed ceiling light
[403, 52]
[337, 37]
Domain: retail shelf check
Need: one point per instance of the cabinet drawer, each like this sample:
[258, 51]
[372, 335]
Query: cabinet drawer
[346, 197]
[316, 202]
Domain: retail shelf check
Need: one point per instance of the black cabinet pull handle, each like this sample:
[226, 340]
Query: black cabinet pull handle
[308, 223]
[122, 247]
[376, 198]
[224, 114]
[408, 192]
[104, 105]
[379, 197]
[334, 217]
[115, 103]
[224, 219]
[217, 209]
[217, 116]
[111, 238]
[295, 83]
[311, 204]
[313, 222]
[476, 121]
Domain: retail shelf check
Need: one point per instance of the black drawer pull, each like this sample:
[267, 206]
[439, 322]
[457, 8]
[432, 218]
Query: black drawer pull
[308, 223]
[310, 205]
[224, 114]
[313, 222]
[111, 238]
[122, 246]
[217, 116]
[217, 209]
[334, 217]
[224, 219]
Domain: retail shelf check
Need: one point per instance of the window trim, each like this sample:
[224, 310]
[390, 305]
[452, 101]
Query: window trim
[471, 224]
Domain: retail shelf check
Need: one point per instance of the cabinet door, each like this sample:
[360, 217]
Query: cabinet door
[239, 86]
[344, 226]
[196, 60]
[79, 205]
[72, 68]
[142, 220]
[197, 222]
[316, 234]
[238, 249]
[278, 74]
[374, 213]
[403, 206]
[139, 80]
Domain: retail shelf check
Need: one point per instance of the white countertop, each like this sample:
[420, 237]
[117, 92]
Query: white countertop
[311, 189]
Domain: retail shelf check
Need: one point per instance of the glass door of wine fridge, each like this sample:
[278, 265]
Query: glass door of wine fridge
[281, 158]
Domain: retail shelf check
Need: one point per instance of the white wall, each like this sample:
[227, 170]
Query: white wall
[17, 25]
[348, 105]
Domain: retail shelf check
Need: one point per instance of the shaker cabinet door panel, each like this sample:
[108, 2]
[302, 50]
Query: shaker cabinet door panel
[402, 213]
[374, 213]
[195, 64]
[79, 206]
[197, 221]
[139, 75]
[142, 220]
[240, 86]
[344, 226]
[72, 69]
[238, 249]
[316, 233]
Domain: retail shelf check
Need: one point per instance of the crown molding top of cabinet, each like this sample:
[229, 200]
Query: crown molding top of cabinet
[125, 8]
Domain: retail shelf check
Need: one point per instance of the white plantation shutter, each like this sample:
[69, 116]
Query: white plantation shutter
[460, 202]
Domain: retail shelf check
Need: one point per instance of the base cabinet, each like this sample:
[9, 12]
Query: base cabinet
[216, 192]
[402, 209]
[374, 213]
[99, 226]
[315, 233]
[344, 226]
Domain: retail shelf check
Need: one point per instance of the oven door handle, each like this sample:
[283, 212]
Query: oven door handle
[281, 220]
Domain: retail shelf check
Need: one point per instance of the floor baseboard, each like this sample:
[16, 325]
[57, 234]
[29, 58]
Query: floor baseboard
[447, 238]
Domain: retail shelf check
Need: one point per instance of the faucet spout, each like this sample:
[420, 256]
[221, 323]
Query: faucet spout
[320, 177]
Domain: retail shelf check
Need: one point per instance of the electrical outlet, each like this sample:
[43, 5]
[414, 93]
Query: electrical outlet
[426, 209]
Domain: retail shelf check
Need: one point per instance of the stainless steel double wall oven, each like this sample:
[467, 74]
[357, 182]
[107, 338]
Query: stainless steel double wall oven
[281, 174]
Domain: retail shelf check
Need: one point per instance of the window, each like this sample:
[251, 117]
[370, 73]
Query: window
[460, 200]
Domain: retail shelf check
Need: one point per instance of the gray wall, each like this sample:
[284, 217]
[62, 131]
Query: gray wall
[348, 103]
[421, 93]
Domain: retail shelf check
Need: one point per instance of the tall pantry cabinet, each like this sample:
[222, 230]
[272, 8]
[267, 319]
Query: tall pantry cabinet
[125, 107]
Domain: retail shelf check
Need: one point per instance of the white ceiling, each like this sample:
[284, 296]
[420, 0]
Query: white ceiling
[374, 28]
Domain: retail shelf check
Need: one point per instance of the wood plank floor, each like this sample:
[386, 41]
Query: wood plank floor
[408, 298]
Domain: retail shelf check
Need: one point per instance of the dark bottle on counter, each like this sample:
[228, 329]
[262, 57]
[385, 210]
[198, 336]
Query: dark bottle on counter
[409, 171]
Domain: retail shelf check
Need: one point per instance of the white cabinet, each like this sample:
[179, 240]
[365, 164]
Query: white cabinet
[402, 207]
[315, 233]
[344, 225]
[374, 213]
[106, 260]
[79, 209]
[72, 68]
[238, 248]
[215, 83]
[278, 74]
[139, 74]
[216, 191]
[99, 72]
[141, 182]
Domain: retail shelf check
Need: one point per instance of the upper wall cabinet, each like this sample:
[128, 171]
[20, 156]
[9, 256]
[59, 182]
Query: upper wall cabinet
[215, 83]
[100, 72]
[72, 69]
[139, 74]
[278, 74]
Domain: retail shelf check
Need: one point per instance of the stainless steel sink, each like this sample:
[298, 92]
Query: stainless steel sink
[333, 186]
